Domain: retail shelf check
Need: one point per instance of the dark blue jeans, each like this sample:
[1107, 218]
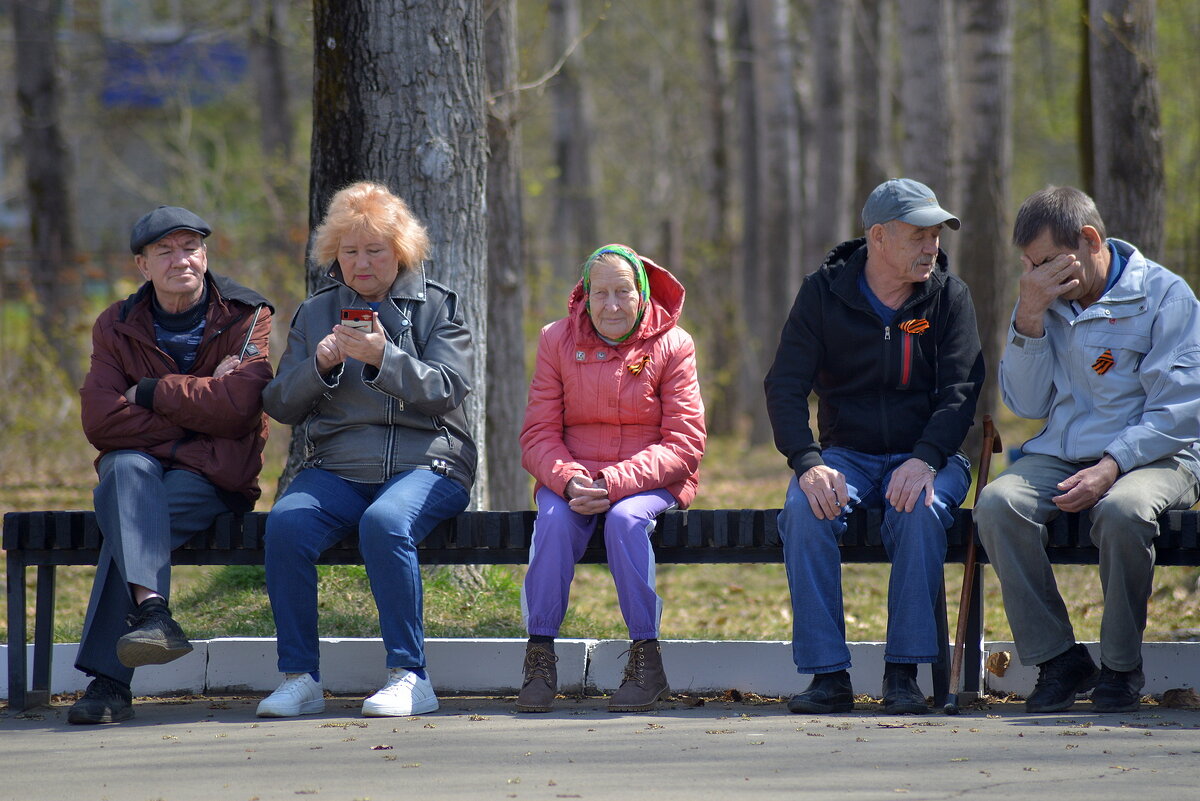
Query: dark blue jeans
[915, 543]
[392, 519]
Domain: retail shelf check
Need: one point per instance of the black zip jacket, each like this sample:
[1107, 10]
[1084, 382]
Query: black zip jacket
[907, 386]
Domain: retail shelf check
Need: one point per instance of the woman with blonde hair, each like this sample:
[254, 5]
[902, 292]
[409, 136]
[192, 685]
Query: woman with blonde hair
[375, 373]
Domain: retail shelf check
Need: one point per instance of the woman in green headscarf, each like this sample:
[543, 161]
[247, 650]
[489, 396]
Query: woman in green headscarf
[614, 427]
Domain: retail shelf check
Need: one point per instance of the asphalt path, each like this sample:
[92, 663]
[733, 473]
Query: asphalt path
[209, 748]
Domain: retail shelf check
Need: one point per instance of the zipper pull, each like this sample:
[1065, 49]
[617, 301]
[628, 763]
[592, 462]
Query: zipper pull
[887, 333]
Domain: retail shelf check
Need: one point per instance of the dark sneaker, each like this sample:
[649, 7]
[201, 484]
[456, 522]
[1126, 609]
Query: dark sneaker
[1060, 679]
[645, 680]
[1118, 690]
[828, 692]
[540, 684]
[106, 701]
[156, 638]
[901, 693]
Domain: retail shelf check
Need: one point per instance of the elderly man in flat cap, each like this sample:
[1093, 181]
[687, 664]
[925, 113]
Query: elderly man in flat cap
[173, 402]
[885, 336]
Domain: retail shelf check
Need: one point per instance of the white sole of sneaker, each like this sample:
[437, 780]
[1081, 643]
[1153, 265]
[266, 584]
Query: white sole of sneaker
[306, 708]
[379, 711]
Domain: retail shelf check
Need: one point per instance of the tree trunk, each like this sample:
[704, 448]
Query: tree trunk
[576, 226]
[268, 64]
[506, 379]
[873, 103]
[926, 89]
[726, 395]
[399, 98]
[53, 271]
[773, 212]
[828, 212]
[1130, 188]
[991, 270]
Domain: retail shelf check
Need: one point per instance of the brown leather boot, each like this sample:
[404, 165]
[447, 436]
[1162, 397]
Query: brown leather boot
[645, 681]
[541, 678]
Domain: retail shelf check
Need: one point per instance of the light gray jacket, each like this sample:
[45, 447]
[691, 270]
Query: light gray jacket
[367, 424]
[1122, 378]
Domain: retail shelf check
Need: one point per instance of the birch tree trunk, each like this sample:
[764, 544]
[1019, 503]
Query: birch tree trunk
[398, 97]
[509, 486]
[52, 268]
[1129, 183]
[991, 270]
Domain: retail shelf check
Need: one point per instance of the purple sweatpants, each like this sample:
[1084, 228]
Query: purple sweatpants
[559, 539]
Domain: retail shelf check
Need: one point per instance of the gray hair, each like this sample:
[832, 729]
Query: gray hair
[1064, 210]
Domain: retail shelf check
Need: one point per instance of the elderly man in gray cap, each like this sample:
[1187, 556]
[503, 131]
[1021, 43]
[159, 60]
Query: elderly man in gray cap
[886, 338]
[173, 402]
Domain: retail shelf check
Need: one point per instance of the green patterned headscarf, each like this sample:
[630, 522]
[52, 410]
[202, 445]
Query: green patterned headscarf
[639, 276]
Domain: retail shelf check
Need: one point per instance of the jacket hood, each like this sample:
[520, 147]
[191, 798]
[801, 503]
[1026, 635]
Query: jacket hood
[845, 262]
[666, 304]
[225, 288]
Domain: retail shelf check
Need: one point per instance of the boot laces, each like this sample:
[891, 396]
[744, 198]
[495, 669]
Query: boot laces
[636, 666]
[538, 662]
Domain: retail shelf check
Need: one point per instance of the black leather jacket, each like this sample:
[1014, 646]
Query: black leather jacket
[367, 424]
[907, 386]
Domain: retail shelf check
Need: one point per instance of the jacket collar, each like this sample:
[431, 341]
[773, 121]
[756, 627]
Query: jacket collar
[409, 284]
[1130, 287]
[220, 289]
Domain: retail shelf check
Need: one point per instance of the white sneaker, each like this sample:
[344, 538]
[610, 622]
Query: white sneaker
[298, 695]
[404, 694]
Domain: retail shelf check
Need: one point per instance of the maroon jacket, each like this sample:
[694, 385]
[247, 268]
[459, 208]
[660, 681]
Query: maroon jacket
[211, 426]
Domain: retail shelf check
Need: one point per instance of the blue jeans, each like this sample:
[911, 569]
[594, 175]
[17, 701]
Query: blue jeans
[392, 518]
[144, 513]
[915, 543]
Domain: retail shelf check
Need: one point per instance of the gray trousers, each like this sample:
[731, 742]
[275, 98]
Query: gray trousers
[1011, 515]
[144, 513]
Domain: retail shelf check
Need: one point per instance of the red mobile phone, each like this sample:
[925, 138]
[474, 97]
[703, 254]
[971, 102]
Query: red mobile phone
[358, 318]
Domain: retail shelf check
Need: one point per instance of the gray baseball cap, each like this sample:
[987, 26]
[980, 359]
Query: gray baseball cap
[156, 224]
[908, 201]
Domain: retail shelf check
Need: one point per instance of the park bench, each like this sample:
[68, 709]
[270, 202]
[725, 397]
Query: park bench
[46, 540]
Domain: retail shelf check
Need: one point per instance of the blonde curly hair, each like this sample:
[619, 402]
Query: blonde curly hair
[371, 208]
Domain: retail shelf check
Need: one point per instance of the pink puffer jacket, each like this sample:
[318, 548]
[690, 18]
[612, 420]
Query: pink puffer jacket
[630, 413]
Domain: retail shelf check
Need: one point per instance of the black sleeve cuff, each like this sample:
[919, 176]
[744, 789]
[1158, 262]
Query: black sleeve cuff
[145, 392]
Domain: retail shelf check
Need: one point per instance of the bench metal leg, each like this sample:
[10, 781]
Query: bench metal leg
[43, 637]
[941, 668]
[17, 680]
[973, 653]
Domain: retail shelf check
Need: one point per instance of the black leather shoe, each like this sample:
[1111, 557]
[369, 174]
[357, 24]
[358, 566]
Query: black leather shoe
[105, 701]
[1118, 690]
[156, 638]
[1060, 679]
[901, 694]
[828, 692]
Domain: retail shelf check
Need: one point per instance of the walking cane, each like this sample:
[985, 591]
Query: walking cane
[991, 444]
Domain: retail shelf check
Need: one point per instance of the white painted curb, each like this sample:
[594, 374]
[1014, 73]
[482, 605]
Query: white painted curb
[493, 666]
